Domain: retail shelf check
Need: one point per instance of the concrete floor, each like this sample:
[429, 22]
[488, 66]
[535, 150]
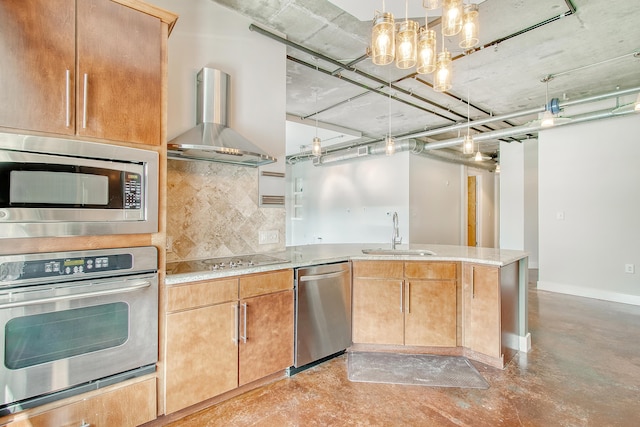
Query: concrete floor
[583, 370]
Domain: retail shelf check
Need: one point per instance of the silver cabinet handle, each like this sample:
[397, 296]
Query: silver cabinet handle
[409, 297]
[401, 296]
[244, 337]
[68, 98]
[473, 282]
[85, 424]
[84, 101]
[236, 322]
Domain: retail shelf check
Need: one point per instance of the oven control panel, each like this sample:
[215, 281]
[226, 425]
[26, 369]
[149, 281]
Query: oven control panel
[55, 267]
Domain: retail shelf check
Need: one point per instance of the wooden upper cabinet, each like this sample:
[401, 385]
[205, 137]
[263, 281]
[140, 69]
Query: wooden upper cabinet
[58, 53]
[37, 71]
[119, 73]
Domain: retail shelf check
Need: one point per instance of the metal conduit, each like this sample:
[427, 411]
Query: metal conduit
[504, 117]
[524, 129]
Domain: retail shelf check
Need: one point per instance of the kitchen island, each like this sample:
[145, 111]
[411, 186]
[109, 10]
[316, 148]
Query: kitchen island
[437, 299]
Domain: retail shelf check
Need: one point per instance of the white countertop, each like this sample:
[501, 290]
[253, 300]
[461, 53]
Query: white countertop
[303, 256]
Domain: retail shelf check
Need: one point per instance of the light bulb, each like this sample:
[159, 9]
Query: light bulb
[382, 39]
[442, 81]
[426, 51]
[316, 148]
[451, 17]
[547, 119]
[407, 44]
[470, 27]
[390, 145]
[467, 144]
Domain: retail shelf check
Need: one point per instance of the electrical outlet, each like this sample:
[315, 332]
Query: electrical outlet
[267, 237]
[629, 268]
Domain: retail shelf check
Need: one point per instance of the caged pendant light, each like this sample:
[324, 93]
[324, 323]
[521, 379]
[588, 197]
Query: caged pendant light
[426, 49]
[407, 42]
[383, 44]
[390, 142]
[442, 77]
[451, 17]
[469, 27]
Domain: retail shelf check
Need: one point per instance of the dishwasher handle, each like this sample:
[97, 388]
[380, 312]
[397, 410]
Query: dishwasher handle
[322, 276]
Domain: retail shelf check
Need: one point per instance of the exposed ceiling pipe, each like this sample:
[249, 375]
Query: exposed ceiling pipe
[532, 128]
[503, 117]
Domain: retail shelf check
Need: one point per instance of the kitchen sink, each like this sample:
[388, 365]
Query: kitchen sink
[410, 252]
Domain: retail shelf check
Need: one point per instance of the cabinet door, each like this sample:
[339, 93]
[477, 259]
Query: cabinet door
[201, 359]
[37, 70]
[482, 309]
[119, 54]
[430, 314]
[378, 316]
[267, 323]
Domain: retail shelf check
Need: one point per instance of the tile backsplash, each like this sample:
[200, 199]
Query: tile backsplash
[213, 210]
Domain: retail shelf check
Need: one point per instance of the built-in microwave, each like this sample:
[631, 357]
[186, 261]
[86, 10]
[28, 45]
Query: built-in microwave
[60, 187]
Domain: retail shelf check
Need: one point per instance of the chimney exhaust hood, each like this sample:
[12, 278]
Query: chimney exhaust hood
[212, 140]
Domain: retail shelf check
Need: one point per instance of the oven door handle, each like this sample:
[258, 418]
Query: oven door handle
[135, 287]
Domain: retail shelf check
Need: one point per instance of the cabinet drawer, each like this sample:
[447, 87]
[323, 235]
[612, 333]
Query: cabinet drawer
[379, 269]
[265, 283]
[200, 294]
[431, 270]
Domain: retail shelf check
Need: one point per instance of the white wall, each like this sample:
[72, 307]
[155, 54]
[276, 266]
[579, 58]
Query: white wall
[351, 202]
[512, 196]
[589, 199]
[211, 35]
[435, 204]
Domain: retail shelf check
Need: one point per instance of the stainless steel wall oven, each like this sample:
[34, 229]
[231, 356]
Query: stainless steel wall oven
[61, 187]
[75, 321]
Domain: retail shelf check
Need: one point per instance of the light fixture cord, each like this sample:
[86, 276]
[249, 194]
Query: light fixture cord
[389, 111]
[317, 101]
[406, 10]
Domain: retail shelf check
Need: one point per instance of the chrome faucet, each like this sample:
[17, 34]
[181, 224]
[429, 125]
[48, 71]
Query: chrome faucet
[395, 237]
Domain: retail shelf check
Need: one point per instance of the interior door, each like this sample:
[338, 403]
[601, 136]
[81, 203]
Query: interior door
[472, 209]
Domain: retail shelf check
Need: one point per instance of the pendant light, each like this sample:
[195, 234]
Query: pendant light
[637, 103]
[383, 45]
[316, 145]
[469, 27]
[478, 156]
[451, 17]
[426, 49]
[442, 77]
[390, 142]
[407, 42]
[467, 143]
[547, 119]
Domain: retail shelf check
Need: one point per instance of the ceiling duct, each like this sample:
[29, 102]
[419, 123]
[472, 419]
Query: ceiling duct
[212, 140]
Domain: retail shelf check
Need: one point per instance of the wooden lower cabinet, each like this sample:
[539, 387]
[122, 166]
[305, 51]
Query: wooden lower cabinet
[123, 405]
[269, 336]
[430, 318]
[405, 303]
[225, 333]
[481, 312]
[378, 316]
[201, 358]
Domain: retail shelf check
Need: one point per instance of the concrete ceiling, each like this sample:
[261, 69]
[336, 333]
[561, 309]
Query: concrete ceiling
[589, 47]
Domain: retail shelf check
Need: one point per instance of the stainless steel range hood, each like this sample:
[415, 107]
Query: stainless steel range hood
[212, 140]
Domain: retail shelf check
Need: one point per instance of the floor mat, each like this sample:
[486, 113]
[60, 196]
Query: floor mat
[414, 369]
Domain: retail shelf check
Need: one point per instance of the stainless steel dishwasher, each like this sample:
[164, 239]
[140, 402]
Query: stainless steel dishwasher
[323, 312]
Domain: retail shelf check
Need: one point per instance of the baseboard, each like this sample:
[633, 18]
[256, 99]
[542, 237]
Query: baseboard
[525, 343]
[580, 291]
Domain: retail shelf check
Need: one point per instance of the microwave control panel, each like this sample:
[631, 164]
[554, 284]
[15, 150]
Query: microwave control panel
[132, 183]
